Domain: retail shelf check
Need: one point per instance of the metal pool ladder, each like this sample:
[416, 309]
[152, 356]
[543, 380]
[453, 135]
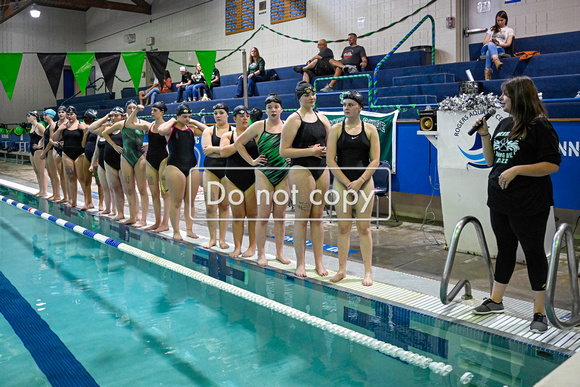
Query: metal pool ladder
[574, 320]
[447, 298]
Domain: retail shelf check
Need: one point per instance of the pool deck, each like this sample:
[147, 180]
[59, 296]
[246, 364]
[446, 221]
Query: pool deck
[408, 261]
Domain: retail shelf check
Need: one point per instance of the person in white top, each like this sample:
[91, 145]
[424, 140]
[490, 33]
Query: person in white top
[498, 38]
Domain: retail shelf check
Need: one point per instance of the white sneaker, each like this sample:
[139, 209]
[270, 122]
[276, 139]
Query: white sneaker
[349, 69]
[326, 89]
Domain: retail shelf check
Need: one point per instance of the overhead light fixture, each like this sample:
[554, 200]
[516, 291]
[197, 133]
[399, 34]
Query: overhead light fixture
[34, 12]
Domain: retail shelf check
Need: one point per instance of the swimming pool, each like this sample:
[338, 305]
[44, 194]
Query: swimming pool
[128, 321]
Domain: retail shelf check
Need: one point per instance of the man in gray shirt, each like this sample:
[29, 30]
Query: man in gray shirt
[353, 57]
[319, 64]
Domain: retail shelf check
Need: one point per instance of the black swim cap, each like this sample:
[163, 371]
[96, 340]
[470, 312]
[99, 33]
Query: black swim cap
[221, 105]
[32, 113]
[256, 114]
[129, 102]
[302, 88]
[71, 109]
[355, 96]
[240, 109]
[273, 97]
[118, 110]
[183, 109]
[160, 105]
[61, 107]
[91, 113]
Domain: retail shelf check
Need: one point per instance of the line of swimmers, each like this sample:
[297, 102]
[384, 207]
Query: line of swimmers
[268, 156]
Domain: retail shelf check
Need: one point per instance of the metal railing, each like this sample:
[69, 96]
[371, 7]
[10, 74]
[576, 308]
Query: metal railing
[447, 298]
[574, 320]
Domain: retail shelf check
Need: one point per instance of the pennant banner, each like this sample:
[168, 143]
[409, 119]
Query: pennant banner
[81, 64]
[52, 65]
[134, 62]
[158, 62]
[9, 67]
[207, 61]
[108, 62]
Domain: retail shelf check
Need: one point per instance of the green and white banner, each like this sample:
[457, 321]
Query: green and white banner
[386, 125]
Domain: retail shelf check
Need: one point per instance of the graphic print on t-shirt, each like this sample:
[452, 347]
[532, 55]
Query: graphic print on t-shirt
[504, 148]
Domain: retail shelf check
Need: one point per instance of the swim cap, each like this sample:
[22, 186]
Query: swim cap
[118, 110]
[61, 108]
[240, 109]
[273, 97]
[32, 113]
[256, 114]
[71, 109]
[91, 113]
[183, 109]
[221, 105]
[302, 88]
[129, 102]
[355, 96]
[160, 105]
[49, 112]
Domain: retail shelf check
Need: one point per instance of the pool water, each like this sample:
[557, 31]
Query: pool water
[125, 320]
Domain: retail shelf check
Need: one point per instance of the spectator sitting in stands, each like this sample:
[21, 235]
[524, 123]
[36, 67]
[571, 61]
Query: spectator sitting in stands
[185, 81]
[150, 94]
[319, 64]
[256, 73]
[192, 92]
[498, 38]
[215, 82]
[354, 58]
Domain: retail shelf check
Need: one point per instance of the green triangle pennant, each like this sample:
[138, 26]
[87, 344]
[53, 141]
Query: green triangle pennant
[134, 62]
[207, 61]
[9, 68]
[81, 64]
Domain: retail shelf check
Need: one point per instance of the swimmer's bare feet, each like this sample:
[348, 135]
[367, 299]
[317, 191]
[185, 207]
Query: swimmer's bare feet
[119, 217]
[368, 280]
[282, 259]
[63, 201]
[139, 224]
[300, 271]
[224, 245]
[236, 253]
[101, 208]
[129, 221]
[250, 251]
[162, 228]
[152, 227]
[262, 261]
[338, 276]
[191, 234]
[321, 271]
[177, 236]
[210, 244]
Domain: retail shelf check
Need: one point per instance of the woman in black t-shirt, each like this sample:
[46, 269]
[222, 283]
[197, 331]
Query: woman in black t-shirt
[523, 152]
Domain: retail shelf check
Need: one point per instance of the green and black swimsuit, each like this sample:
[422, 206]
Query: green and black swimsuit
[132, 144]
[276, 167]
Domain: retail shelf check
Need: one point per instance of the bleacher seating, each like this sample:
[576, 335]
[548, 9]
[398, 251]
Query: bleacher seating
[407, 78]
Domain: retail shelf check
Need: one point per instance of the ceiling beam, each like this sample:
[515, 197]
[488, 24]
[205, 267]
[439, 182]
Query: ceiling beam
[12, 8]
[83, 5]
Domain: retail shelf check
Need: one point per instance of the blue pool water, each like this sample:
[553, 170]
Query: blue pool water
[121, 320]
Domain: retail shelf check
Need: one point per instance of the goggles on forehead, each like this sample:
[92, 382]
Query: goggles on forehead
[273, 98]
[242, 112]
[308, 90]
[354, 95]
[220, 106]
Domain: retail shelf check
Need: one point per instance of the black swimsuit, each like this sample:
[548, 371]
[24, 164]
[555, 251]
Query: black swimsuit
[157, 151]
[34, 140]
[58, 148]
[353, 151]
[46, 137]
[181, 146]
[216, 165]
[112, 158]
[73, 140]
[90, 146]
[101, 145]
[308, 134]
[242, 178]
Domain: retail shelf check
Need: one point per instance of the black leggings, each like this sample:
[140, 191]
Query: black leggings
[530, 232]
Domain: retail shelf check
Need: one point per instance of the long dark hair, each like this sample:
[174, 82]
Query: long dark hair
[525, 104]
[503, 14]
[167, 75]
[257, 52]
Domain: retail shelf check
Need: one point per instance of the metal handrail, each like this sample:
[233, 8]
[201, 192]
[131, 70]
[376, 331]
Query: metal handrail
[447, 298]
[564, 230]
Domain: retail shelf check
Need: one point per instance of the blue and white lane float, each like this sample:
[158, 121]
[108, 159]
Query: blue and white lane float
[356, 337]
